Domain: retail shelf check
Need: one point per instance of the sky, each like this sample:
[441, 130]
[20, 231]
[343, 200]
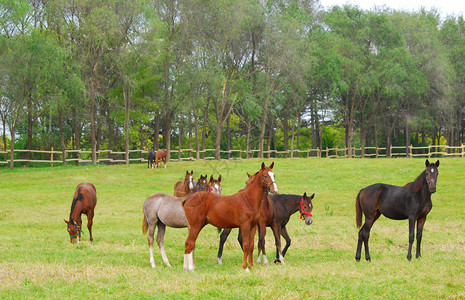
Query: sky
[444, 7]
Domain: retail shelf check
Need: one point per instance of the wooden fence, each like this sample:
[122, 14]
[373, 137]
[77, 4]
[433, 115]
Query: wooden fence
[114, 157]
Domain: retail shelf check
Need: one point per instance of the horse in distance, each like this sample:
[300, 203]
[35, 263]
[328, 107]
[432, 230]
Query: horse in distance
[151, 158]
[160, 157]
[84, 202]
[411, 201]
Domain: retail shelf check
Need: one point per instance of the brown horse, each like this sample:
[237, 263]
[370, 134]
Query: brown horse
[160, 156]
[411, 201]
[201, 184]
[241, 209]
[214, 185]
[84, 201]
[183, 188]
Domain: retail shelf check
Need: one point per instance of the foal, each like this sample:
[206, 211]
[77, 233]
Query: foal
[238, 210]
[84, 201]
[183, 188]
[412, 202]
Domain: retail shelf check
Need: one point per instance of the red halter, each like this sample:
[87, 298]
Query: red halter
[301, 206]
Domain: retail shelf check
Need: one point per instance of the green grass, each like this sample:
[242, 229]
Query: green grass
[38, 261]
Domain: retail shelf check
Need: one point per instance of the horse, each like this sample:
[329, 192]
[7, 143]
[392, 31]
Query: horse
[214, 185]
[160, 156]
[411, 201]
[201, 184]
[151, 158]
[84, 201]
[183, 188]
[275, 212]
[161, 210]
[241, 209]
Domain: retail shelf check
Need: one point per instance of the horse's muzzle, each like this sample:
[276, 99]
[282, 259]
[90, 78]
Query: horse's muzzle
[309, 221]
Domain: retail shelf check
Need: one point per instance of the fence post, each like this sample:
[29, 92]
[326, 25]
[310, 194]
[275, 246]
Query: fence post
[410, 150]
[376, 151]
[51, 158]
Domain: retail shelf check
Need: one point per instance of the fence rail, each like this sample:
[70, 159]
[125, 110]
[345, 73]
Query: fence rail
[113, 157]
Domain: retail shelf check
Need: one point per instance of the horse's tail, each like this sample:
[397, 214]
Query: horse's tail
[358, 209]
[145, 224]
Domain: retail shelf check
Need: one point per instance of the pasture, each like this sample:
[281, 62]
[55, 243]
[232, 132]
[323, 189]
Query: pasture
[37, 259]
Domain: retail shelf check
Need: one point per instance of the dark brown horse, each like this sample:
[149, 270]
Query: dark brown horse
[84, 201]
[183, 188]
[151, 158]
[201, 184]
[160, 157]
[238, 210]
[412, 202]
[275, 212]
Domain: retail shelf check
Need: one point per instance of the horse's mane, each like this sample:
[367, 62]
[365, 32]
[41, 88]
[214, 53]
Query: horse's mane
[75, 199]
[417, 185]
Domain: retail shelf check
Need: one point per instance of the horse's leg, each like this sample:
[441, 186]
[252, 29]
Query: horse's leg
[261, 243]
[364, 236]
[194, 230]
[150, 240]
[160, 241]
[420, 224]
[411, 236]
[223, 237]
[245, 232]
[251, 244]
[277, 232]
[90, 218]
[286, 236]
[239, 239]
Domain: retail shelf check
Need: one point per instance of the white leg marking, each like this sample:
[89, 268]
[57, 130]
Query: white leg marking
[281, 259]
[163, 255]
[265, 260]
[247, 270]
[220, 261]
[152, 261]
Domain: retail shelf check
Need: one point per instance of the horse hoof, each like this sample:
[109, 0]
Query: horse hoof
[247, 270]
[220, 261]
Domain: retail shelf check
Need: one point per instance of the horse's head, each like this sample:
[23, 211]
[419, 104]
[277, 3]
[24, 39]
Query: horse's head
[73, 230]
[189, 179]
[215, 185]
[305, 208]
[267, 177]
[202, 183]
[432, 175]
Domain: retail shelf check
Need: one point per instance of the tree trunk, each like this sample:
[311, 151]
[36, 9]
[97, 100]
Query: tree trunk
[127, 95]
[29, 130]
[77, 135]
[181, 136]
[190, 135]
[219, 128]
[12, 146]
[228, 136]
[156, 132]
[204, 127]
[263, 126]
[93, 130]
[285, 136]
[62, 137]
[270, 136]
[248, 138]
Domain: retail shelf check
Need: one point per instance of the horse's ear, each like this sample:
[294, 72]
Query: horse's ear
[263, 165]
[65, 221]
[313, 195]
[272, 165]
[437, 163]
[187, 172]
[248, 175]
[211, 178]
[427, 163]
[305, 195]
[219, 178]
[192, 172]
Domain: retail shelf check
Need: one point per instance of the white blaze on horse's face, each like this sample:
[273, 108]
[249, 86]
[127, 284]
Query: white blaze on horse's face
[275, 187]
[191, 183]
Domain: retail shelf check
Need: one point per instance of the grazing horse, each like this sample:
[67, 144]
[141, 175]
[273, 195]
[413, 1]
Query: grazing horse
[161, 210]
[412, 202]
[183, 188]
[160, 156]
[201, 184]
[275, 213]
[84, 201]
[151, 158]
[241, 209]
[214, 185]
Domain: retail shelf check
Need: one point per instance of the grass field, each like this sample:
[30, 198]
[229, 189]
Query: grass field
[38, 261]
